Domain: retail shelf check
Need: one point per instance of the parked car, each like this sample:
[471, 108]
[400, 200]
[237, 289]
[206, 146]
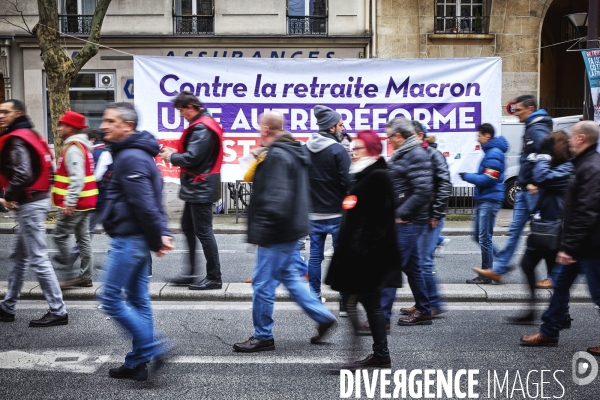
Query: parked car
[513, 130]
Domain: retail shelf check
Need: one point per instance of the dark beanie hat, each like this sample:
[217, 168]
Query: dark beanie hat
[326, 117]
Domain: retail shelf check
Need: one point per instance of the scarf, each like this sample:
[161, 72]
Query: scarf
[362, 163]
[408, 145]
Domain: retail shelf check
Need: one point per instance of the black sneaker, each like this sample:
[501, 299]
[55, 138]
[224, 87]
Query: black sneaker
[3, 209]
[567, 322]
[526, 319]
[323, 331]
[139, 373]
[371, 361]
[343, 309]
[479, 281]
[6, 316]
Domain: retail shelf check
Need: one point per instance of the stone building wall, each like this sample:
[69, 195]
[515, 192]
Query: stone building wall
[405, 29]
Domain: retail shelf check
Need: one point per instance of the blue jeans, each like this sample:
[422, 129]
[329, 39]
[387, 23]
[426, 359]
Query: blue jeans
[564, 276]
[275, 264]
[126, 269]
[428, 243]
[484, 220]
[30, 251]
[525, 203]
[408, 242]
[318, 233]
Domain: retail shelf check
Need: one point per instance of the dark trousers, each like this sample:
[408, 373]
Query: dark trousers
[372, 304]
[531, 259]
[196, 222]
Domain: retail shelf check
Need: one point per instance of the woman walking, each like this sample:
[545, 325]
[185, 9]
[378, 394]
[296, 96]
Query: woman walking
[366, 258]
[551, 173]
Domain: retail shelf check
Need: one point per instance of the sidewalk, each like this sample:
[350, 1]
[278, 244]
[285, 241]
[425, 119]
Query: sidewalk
[243, 292]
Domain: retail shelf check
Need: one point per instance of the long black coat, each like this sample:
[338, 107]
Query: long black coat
[367, 253]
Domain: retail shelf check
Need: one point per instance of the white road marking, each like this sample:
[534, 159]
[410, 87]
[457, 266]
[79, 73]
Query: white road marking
[51, 361]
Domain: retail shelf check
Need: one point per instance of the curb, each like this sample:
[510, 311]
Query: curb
[243, 292]
[241, 230]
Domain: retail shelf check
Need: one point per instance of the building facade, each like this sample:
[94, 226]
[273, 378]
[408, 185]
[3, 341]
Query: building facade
[293, 28]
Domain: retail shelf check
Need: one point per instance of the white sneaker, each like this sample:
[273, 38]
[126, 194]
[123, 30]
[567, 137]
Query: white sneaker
[440, 248]
[329, 252]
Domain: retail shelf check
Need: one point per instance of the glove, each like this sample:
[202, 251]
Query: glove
[547, 146]
[462, 175]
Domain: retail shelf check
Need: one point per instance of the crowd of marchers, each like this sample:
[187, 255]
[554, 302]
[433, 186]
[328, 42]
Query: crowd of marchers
[385, 218]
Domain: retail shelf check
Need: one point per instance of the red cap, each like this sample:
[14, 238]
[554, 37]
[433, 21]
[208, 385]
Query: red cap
[73, 119]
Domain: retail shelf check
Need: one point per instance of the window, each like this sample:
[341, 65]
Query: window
[460, 16]
[90, 93]
[307, 17]
[193, 17]
[75, 16]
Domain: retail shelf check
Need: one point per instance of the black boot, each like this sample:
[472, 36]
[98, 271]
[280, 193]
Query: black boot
[525, 319]
[139, 373]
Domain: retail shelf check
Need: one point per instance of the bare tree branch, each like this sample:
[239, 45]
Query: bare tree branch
[15, 5]
[91, 46]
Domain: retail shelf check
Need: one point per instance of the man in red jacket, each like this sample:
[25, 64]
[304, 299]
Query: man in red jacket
[25, 176]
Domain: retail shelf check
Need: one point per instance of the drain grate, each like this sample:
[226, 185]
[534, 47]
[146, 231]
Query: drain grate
[66, 359]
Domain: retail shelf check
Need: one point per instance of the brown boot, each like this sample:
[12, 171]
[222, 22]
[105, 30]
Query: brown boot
[409, 310]
[545, 284]
[595, 351]
[538, 340]
[489, 274]
[415, 318]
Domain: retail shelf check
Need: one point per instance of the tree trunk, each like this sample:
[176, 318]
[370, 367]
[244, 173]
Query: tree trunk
[60, 69]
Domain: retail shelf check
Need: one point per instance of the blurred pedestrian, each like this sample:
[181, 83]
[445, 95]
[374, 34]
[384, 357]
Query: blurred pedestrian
[579, 248]
[200, 155]
[489, 195]
[412, 176]
[329, 181]
[538, 125]
[550, 175]
[135, 219]
[277, 218]
[442, 189]
[367, 252]
[75, 192]
[26, 176]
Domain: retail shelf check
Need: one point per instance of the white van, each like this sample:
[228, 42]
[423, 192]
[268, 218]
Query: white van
[513, 131]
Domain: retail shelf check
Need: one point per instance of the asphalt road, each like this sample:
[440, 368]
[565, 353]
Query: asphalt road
[238, 257]
[471, 337]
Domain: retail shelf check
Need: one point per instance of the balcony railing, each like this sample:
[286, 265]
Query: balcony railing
[193, 25]
[307, 25]
[462, 24]
[75, 24]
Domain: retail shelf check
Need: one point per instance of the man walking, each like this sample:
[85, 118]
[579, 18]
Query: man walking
[26, 176]
[580, 240]
[489, 195]
[538, 125]
[412, 176]
[329, 180]
[136, 221]
[277, 217]
[200, 155]
[442, 188]
[75, 192]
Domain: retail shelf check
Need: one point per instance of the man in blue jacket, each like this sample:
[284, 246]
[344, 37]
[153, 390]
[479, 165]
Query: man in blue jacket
[538, 125]
[137, 223]
[489, 195]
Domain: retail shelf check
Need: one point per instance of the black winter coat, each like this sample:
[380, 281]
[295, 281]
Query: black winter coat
[412, 177]
[201, 151]
[134, 194]
[278, 211]
[328, 173]
[367, 254]
[581, 228]
[442, 186]
[20, 164]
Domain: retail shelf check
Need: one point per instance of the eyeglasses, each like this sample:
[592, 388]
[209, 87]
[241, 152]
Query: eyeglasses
[391, 136]
[4, 112]
[358, 148]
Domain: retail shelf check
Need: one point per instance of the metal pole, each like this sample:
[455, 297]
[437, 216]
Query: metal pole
[592, 43]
